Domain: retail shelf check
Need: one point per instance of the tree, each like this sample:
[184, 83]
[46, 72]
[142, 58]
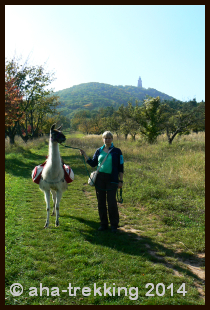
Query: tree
[128, 119]
[49, 120]
[82, 121]
[129, 126]
[112, 123]
[199, 125]
[86, 126]
[65, 121]
[96, 123]
[151, 118]
[132, 119]
[37, 99]
[13, 98]
[190, 116]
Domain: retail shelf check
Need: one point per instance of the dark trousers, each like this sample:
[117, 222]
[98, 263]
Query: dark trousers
[109, 195]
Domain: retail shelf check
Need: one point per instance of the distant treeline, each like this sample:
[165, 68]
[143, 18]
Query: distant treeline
[149, 118]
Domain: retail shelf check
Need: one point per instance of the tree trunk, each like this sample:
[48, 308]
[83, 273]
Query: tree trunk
[170, 139]
[11, 139]
[133, 137]
[11, 132]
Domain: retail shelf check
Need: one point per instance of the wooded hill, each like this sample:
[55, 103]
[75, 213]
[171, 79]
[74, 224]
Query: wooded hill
[92, 96]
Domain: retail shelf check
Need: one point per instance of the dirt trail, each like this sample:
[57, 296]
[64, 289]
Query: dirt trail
[194, 265]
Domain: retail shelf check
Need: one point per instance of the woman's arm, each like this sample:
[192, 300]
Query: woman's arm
[121, 176]
[92, 162]
[120, 184]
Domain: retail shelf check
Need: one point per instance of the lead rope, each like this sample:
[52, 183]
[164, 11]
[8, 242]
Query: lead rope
[120, 200]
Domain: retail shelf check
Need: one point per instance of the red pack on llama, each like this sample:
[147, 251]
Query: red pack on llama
[68, 173]
[37, 173]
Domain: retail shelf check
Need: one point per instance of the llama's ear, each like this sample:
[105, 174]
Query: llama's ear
[53, 126]
[59, 127]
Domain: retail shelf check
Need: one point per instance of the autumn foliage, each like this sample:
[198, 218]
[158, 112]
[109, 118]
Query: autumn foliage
[28, 100]
[13, 98]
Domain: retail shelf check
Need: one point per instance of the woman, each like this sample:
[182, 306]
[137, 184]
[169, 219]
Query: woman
[109, 178]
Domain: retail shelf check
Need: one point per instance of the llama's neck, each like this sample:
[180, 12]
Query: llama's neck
[54, 154]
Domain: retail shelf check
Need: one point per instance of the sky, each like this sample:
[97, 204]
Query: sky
[113, 44]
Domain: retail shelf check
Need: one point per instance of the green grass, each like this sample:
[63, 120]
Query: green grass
[162, 226]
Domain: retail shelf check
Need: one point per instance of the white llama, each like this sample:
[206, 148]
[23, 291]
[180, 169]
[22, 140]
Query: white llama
[53, 174]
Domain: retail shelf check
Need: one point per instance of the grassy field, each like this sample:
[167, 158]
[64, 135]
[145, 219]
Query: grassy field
[161, 239]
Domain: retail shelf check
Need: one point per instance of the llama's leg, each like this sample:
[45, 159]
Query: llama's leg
[58, 199]
[54, 200]
[47, 199]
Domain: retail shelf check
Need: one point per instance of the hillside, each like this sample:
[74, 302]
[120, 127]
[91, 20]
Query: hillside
[99, 95]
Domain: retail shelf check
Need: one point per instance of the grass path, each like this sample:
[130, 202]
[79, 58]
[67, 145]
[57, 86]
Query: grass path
[145, 250]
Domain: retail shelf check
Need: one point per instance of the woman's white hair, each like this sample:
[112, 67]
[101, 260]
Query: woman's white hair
[107, 134]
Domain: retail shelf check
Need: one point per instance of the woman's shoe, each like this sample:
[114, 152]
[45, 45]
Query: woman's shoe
[114, 229]
[103, 227]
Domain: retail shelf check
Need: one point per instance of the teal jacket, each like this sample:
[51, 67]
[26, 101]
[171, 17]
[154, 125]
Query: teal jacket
[117, 161]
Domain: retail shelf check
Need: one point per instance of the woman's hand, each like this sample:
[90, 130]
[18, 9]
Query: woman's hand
[120, 184]
[84, 154]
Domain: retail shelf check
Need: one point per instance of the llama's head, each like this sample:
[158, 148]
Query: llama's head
[57, 135]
